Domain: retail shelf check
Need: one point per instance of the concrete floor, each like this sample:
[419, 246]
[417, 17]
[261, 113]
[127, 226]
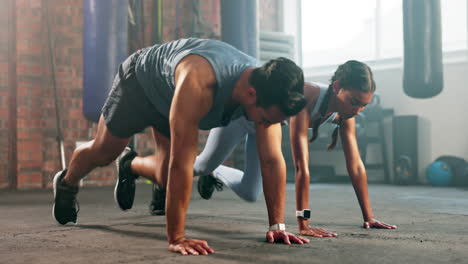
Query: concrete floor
[432, 228]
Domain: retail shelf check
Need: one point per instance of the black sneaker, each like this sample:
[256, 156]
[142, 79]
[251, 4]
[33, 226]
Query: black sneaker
[124, 191]
[66, 205]
[158, 203]
[207, 184]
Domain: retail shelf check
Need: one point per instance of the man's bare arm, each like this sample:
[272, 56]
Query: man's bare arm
[193, 98]
[274, 181]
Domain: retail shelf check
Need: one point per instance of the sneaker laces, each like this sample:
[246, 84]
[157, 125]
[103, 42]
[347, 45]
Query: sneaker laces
[217, 184]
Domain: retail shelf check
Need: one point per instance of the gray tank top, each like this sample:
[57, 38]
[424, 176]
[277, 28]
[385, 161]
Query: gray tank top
[323, 91]
[155, 70]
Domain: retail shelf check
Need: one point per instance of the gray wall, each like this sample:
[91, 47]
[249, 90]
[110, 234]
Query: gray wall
[447, 113]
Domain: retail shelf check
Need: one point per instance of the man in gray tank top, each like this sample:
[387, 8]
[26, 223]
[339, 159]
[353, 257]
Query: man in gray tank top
[177, 88]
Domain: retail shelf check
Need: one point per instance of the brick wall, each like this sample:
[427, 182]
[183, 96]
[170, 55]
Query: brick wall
[28, 85]
[37, 148]
[36, 127]
[31, 78]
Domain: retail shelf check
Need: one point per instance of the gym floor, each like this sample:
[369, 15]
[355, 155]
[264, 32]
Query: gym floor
[432, 228]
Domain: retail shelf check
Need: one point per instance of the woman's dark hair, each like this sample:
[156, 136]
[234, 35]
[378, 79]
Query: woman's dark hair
[352, 75]
[279, 82]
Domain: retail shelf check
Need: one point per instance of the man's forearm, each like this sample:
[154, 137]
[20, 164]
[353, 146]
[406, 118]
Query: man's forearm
[274, 186]
[179, 188]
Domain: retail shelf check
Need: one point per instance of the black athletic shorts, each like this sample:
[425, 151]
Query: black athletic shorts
[127, 109]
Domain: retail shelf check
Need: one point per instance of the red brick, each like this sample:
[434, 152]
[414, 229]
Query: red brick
[35, 134]
[21, 68]
[22, 155]
[30, 165]
[22, 179]
[3, 67]
[50, 165]
[29, 145]
[36, 178]
[36, 156]
[23, 111]
[22, 134]
[35, 3]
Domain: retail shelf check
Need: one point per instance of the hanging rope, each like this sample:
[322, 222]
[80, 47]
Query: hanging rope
[59, 137]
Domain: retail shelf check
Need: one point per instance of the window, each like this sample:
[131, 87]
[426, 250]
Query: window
[454, 22]
[334, 31]
[391, 29]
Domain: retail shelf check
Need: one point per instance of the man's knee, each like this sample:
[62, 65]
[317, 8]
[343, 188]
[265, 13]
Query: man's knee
[103, 159]
[100, 155]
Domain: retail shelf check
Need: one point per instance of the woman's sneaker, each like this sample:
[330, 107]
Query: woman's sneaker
[207, 184]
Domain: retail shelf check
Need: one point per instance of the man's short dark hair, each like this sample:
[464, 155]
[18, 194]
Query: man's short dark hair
[279, 82]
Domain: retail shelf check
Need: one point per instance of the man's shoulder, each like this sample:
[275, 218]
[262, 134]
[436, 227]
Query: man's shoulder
[197, 68]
